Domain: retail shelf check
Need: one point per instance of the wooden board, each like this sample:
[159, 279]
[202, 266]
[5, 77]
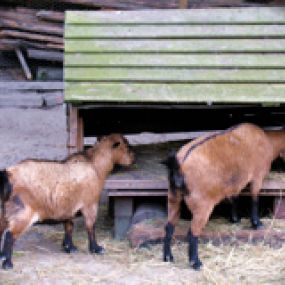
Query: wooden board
[172, 45]
[163, 31]
[171, 93]
[148, 177]
[213, 16]
[175, 75]
[31, 85]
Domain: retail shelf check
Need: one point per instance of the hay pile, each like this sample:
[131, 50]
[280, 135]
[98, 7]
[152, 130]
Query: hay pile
[224, 264]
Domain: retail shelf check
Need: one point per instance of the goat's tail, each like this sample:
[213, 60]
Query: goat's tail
[5, 191]
[175, 177]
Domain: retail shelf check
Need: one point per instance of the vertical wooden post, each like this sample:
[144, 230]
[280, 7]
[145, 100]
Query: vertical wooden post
[123, 212]
[279, 208]
[183, 4]
[80, 134]
[75, 133]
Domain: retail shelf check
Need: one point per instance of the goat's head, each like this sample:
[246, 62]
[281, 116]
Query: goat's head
[121, 151]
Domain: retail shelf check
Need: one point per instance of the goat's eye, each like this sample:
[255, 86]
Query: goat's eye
[116, 144]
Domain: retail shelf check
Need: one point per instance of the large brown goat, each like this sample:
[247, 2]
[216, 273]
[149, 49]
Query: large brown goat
[36, 190]
[211, 168]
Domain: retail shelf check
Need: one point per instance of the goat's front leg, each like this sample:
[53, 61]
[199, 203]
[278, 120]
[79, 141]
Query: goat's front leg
[90, 215]
[174, 201]
[67, 243]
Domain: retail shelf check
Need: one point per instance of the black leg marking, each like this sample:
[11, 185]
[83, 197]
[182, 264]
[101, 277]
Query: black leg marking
[194, 260]
[234, 218]
[167, 255]
[7, 250]
[255, 221]
[93, 246]
[67, 243]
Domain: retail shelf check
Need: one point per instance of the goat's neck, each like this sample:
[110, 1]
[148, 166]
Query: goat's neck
[277, 139]
[103, 164]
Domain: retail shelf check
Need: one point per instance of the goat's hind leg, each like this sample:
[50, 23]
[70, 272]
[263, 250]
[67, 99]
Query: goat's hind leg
[67, 243]
[18, 223]
[234, 217]
[174, 201]
[201, 211]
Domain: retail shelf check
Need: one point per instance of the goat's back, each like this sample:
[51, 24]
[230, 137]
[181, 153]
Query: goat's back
[227, 161]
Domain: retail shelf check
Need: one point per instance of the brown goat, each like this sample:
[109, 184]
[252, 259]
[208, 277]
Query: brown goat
[37, 190]
[211, 168]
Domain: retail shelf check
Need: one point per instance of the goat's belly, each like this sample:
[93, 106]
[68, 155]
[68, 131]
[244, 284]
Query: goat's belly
[59, 213]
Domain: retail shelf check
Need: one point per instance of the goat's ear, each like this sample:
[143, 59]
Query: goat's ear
[116, 144]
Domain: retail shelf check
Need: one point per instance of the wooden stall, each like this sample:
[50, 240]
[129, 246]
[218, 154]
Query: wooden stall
[172, 71]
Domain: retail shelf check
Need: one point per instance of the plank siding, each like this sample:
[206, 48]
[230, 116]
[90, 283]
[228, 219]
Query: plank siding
[158, 56]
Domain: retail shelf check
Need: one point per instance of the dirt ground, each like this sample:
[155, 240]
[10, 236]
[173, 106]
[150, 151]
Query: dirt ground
[38, 258]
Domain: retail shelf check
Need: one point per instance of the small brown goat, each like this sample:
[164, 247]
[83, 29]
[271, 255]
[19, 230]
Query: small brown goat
[37, 190]
[211, 168]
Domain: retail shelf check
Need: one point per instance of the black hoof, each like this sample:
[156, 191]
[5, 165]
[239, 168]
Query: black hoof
[69, 248]
[97, 249]
[7, 264]
[196, 264]
[168, 258]
[257, 225]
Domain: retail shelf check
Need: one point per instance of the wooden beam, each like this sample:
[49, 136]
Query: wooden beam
[51, 16]
[24, 64]
[31, 36]
[31, 85]
[45, 55]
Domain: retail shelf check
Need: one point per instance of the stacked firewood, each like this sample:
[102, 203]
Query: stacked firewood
[30, 28]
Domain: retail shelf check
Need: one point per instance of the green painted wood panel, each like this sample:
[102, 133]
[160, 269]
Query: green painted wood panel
[173, 31]
[203, 55]
[174, 75]
[176, 45]
[179, 60]
[226, 15]
[175, 93]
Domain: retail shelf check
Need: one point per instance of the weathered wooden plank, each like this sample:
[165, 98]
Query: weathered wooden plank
[222, 15]
[31, 85]
[50, 16]
[178, 60]
[176, 45]
[196, 93]
[173, 75]
[173, 31]
[30, 36]
[53, 29]
[45, 55]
